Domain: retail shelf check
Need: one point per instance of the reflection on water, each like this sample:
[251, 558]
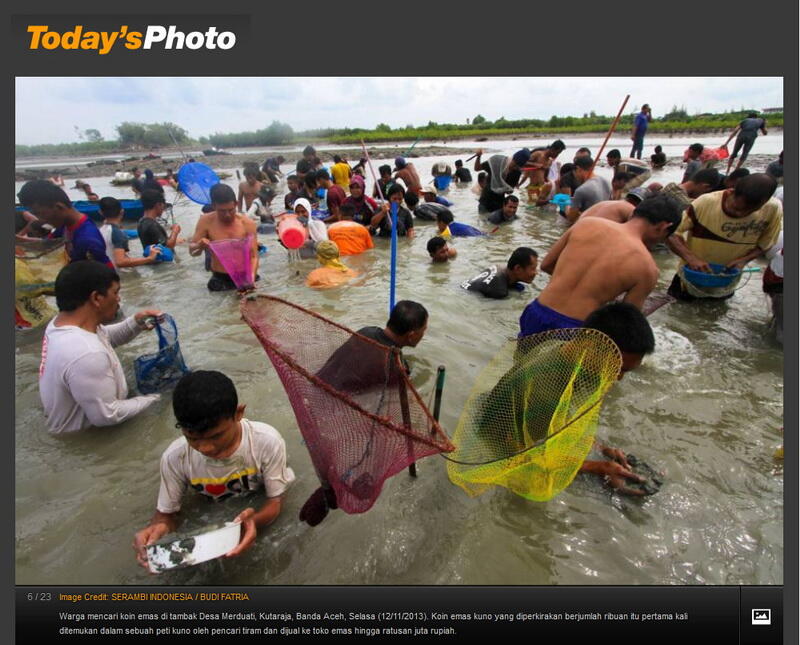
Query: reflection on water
[705, 409]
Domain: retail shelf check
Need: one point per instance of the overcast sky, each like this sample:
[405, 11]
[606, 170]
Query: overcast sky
[48, 109]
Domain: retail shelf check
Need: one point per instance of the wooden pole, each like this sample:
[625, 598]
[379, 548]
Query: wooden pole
[611, 130]
[412, 469]
[437, 398]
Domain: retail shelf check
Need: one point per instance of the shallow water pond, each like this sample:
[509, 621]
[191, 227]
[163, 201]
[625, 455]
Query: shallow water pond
[706, 409]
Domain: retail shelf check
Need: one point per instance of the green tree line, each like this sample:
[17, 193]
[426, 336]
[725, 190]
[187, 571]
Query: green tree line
[134, 136]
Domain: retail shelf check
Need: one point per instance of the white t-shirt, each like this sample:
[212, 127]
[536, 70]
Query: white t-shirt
[105, 231]
[81, 381]
[259, 461]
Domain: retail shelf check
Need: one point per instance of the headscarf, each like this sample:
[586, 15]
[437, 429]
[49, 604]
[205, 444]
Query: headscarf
[357, 179]
[362, 206]
[328, 256]
[302, 201]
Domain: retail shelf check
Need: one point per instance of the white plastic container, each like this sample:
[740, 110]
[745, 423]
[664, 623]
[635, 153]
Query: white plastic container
[192, 549]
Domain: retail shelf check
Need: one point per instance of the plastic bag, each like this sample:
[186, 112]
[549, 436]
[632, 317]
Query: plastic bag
[163, 369]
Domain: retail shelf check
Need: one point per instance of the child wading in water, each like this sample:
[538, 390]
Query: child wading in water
[220, 455]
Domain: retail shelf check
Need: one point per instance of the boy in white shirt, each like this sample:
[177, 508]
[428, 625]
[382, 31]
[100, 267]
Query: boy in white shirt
[220, 455]
[81, 381]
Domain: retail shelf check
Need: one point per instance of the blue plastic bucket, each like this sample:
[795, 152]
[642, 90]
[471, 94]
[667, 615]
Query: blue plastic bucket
[721, 276]
[442, 182]
[166, 253]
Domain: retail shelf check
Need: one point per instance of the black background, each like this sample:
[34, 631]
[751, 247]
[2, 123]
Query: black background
[678, 38]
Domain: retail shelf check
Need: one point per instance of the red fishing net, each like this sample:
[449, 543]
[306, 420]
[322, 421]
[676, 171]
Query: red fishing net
[361, 418]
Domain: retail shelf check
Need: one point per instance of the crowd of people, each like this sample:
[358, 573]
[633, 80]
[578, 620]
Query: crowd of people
[601, 273]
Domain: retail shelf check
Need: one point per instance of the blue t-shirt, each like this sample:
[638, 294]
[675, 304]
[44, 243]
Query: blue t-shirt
[641, 124]
[84, 242]
[444, 202]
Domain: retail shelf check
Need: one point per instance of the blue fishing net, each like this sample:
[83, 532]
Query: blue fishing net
[195, 181]
[163, 369]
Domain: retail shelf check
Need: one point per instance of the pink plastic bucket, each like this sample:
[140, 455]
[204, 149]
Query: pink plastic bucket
[292, 233]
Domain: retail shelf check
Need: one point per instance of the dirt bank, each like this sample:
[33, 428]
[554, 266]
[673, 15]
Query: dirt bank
[107, 168]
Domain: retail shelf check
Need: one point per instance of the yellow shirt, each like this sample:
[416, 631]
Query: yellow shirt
[716, 237]
[341, 175]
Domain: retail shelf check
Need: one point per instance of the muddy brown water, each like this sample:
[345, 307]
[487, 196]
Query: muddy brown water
[705, 409]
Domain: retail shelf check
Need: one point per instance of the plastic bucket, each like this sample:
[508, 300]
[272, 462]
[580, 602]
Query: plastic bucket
[166, 253]
[292, 233]
[721, 276]
[442, 182]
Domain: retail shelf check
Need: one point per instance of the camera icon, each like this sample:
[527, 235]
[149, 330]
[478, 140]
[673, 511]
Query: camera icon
[761, 617]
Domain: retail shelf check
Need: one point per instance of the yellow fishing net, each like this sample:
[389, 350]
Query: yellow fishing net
[36, 265]
[530, 419]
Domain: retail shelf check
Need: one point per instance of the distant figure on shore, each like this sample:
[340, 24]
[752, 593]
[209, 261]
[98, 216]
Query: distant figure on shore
[639, 129]
[745, 133]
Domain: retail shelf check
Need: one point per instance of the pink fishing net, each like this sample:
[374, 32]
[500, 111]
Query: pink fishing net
[359, 414]
[234, 255]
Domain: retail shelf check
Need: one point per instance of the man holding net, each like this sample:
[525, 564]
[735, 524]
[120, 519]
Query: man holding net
[358, 367]
[224, 223]
[530, 422]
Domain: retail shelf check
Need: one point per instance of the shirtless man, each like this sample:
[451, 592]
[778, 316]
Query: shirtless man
[408, 173]
[537, 168]
[223, 223]
[248, 189]
[616, 210]
[597, 260]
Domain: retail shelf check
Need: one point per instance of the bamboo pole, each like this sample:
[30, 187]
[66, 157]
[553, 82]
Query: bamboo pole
[611, 130]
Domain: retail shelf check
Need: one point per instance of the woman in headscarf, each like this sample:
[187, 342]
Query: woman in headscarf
[502, 174]
[302, 211]
[332, 273]
[363, 207]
